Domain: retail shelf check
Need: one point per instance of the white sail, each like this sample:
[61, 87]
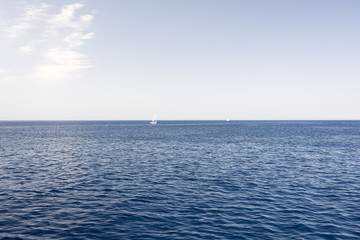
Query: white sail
[154, 121]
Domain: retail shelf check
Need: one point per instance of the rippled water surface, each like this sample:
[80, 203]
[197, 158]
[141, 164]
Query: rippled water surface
[180, 180]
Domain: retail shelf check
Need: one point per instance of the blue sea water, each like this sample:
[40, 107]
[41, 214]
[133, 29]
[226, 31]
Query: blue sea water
[180, 180]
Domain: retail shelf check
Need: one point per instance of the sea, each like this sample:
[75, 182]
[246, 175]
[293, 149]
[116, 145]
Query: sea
[180, 180]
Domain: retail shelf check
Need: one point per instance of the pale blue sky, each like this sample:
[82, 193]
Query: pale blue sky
[124, 60]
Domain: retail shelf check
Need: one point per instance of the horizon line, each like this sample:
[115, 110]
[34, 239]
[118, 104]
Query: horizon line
[231, 120]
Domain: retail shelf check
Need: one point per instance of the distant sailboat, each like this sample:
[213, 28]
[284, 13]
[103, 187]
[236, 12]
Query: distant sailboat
[227, 119]
[154, 121]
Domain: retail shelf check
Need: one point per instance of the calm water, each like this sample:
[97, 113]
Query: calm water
[180, 180]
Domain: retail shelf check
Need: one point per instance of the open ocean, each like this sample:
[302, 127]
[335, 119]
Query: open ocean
[180, 180]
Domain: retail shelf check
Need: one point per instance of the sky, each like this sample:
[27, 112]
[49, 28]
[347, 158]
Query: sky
[180, 60]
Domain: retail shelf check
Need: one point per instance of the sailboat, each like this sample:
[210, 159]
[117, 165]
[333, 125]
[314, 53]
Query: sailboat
[154, 121]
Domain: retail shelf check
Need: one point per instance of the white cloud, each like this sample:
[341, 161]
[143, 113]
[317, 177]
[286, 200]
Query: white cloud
[32, 14]
[54, 49]
[76, 39]
[67, 19]
[59, 64]
[62, 60]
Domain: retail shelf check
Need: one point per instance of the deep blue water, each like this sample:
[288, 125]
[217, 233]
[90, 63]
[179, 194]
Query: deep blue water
[180, 180]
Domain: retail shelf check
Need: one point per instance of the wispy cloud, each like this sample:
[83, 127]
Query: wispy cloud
[26, 22]
[60, 63]
[56, 45]
[76, 39]
[62, 59]
[67, 18]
